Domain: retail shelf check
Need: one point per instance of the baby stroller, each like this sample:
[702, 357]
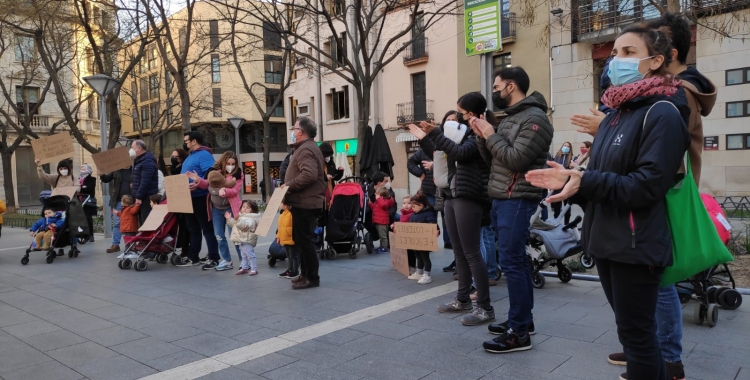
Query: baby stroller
[344, 231]
[156, 245]
[74, 226]
[560, 241]
[276, 252]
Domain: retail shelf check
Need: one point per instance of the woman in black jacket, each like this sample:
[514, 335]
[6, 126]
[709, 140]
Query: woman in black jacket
[465, 202]
[634, 161]
[87, 196]
[333, 174]
[177, 158]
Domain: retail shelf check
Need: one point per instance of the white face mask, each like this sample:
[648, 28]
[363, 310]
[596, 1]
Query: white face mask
[132, 153]
[230, 168]
[387, 185]
[63, 172]
[328, 159]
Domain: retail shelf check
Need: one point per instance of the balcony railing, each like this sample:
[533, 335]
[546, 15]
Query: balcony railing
[417, 52]
[413, 112]
[601, 20]
[705, 8]
[36, 121]
[508, 25]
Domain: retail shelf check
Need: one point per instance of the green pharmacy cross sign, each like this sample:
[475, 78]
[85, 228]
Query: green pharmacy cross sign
[482, 26]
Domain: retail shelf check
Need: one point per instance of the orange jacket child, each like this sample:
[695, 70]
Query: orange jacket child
[128, 219]
[284, 233]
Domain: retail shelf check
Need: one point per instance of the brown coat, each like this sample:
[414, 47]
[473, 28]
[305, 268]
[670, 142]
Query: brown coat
[700, 105]
[306, 177]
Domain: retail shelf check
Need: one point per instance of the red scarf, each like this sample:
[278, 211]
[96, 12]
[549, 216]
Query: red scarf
[616, 96]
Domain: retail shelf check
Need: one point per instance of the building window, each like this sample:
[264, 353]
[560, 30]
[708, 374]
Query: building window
[90, 64]
[500, 62]
[136, 121]
[182, 37]
[151, 63]
[93, 113]
[170, 118]
[31, 95]
[144, 89]
[340, 103]
[213, 31]
[145, 119]
[736, 142]
[271, 36]
[738, 76]
[24, 48]
[215, 69]
[336, 7]
[154, 113]
[419, 95]
[273, 69]
[271, 95]
[168, 81]
[133, 91]
[216, 95]
[153, 86]
[338, 55]
[738, 109]
[293, 109]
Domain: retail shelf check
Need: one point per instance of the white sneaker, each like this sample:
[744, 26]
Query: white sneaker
[131, 256]
[426, 279]
[415, 276]
[120, 256]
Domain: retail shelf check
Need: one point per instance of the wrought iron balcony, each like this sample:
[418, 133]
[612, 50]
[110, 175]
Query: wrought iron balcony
[508, 25]
[417, 52]
[601, 20]
[414, 112]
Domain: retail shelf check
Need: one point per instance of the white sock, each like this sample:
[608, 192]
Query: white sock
[420, 271]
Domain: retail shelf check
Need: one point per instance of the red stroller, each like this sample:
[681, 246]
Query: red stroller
[152, 245]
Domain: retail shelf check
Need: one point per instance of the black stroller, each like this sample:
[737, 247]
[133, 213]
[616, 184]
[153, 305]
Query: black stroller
[75, 226]
[344, 230]
[559, 241]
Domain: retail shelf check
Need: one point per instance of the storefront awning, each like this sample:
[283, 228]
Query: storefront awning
[405, 136]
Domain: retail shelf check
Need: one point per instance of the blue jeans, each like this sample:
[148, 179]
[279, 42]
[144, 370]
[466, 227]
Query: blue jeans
[220, 226]
[510, 218]
[488, 251]
[669, 324]
[116, 235]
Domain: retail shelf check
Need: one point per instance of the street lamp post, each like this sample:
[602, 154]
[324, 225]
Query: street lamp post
[103, 86]
[236, 122]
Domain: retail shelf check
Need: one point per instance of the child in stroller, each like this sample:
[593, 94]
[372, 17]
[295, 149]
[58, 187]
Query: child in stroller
[43, 230]
[72, 227]
[344, 229]
[152, 245]
[560, 241]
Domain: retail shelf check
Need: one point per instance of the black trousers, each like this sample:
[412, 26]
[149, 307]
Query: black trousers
[463, 218]
[423, 260]
[557, 209]
[198, 224]
[90, 212]
[145, 209]
[632, 291]
[304, 222]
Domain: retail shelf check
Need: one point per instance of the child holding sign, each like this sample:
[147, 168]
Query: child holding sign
[422, 213]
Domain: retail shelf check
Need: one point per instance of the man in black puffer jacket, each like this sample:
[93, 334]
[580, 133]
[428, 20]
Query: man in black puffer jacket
[520, 144]
[417, 168]
[145, 177]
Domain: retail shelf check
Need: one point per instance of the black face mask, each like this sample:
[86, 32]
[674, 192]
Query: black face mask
[185, 147]
[498, 102]
[460, 118]
[174, 161]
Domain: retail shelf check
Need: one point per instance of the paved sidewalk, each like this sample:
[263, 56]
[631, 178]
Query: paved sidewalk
[86, 319]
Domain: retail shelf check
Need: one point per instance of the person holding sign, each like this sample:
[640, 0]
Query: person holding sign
[119, 186]
[145, 179]
[63, 177]
[422, 213]
[306, 182]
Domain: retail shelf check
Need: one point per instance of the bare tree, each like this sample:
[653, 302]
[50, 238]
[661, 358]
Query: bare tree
[364, 36]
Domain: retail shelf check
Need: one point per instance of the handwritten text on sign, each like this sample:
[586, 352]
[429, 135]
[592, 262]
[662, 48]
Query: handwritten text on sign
[178, 194]
[399, 257]
[111, 160]
[53, 148]
[417, 236]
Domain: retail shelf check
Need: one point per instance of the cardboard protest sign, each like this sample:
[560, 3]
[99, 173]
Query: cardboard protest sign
[271, 210]
[399, 257]
[69, 191]
[112, 160]
[178, 193]
[53, 148]
[417, 236]
[155, 218]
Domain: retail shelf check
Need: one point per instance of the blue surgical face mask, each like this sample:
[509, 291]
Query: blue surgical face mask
[565, 150]
[625, 70]
[292, 138]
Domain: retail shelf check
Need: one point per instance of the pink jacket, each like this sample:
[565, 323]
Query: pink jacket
[232, 194]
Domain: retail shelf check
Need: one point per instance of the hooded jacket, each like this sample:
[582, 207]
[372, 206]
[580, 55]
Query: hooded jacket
[58, 219]
[414, 164]
[520, 144]
[426, 215]
[243, 229]
[631, 168]
[700, 96]
[145, 179]
[284, 233]
[200, 161]
[305, 177]
[381, 210]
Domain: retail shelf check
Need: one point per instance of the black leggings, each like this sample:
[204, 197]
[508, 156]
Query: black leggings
[90, 212]
[292, 257]
[463, 217]
[423, 260]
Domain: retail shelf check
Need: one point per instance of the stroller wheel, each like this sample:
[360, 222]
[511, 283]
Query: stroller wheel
[369, 243]
[50, 258]
[163, 258]
[127, 264]
[499, 274]
[174, 259]
[322, 253]
[119, 264]
[711, 294]
[25, 260]
[537, 280]
[685, 297]
[83, 240]
[699, 314]
[712, 314]
[331, 253]
[717, 296]
[730, 299]
[564, 274]
[271, 262]
[141, 265]
[28, 250]
[586, 260]
[70, 254]
[60, 252]
[76, 252]
[353, 253]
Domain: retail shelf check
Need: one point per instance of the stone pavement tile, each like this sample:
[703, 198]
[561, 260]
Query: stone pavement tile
[322, 354]
[170, 331]
[610, 339]
[21, 357]
[568, 313]
[744, 374]
[533, 359]
[341, 337]
[562, 330]
[399, 316]
[174, 359]
[588, 367]
[386, 329]
[209, 344]
[9, 342]
[380, 367]
[386, 347]
[512, 371]
[708, 368]
[375, 300]
[115, 368]
[257, 335]
[16, 318]
[340, 305]
[113, 311]
[81, 354]
[54, 340]
[430, 340]
[282, 322]
[44, 371]
[41, 307]
[28, 329]
[112, 336]
[241, 313]
[728, 337]
[439, 323]
[65, 314]
[88, 303]
[140, 321]
[308, 371]
[266, 363]
[145, 349]
[231, 373]
[736, 356]
[85, 324]
[440, 375]
[158, 308]
[462, 365]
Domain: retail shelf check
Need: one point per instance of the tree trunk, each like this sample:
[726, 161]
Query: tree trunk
[184, 106]
[673, 6]
[363, 102]
[115, 122]
[10, 194]
[267, 156]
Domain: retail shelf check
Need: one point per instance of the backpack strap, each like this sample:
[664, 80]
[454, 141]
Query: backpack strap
[686, 158]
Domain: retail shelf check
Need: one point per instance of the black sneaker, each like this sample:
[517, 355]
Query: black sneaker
[448, 246]
[186, 263]
[508, 342]
[501, 328]
[292, 275]
[204, 259]
[210, 264]
[450, 268]
[284, 274]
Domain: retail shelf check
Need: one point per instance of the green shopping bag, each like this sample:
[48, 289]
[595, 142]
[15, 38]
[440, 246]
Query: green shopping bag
[696, 245]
